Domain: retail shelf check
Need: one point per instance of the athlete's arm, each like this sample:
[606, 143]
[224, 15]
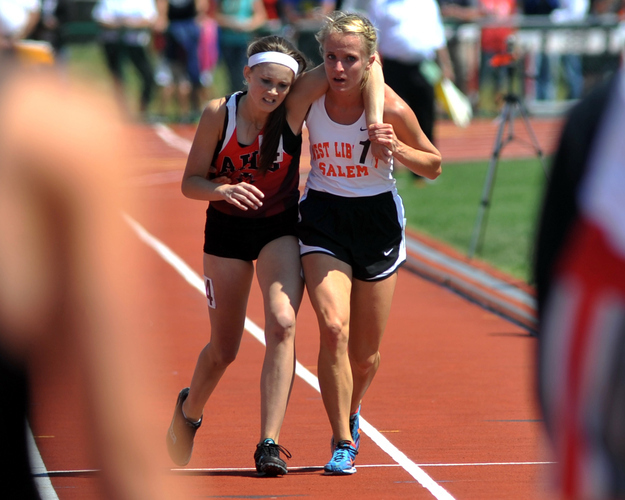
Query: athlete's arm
[308, 87]
[195, 182]
[373, 96]
[402, 134]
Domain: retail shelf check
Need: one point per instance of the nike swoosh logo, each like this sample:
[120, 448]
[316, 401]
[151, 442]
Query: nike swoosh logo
[363, 129]
[387, 252]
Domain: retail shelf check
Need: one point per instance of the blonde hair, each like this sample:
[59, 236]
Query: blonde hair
[350, 24]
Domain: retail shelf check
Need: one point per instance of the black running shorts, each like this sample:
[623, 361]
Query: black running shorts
[244, 237]
[365, 232]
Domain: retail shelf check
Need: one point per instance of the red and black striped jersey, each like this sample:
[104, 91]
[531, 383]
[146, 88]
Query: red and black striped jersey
[280, 184]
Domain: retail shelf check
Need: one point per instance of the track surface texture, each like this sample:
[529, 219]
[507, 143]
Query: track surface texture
[451, 414]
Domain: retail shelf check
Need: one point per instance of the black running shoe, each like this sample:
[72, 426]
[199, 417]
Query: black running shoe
[181, 433]
[267, 458]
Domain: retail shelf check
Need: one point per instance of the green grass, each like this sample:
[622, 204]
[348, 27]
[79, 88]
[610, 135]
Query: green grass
[447, 209]
[86, 63]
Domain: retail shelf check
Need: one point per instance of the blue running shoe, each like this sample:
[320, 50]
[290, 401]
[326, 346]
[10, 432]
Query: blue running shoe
[343, 459]
[354, 429]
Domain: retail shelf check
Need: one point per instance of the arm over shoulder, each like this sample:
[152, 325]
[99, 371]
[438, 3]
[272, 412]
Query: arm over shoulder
[403, 135]
[307, 89]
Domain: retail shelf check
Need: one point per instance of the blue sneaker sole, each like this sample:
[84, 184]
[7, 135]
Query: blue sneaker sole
[339, 472]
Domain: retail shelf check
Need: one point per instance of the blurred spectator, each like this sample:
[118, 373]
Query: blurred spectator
[181, 21]
[237, 23]
[411, 36]
[547, 65]
[495, 18]
[359, 6]
[126, 34]
[274, 16]
[571, 11]
[464, 53]
[580, 276]
[173, 88]
[600, 7]
[71, 287]
[497, 39]
[208, 54]
[173, 99]
[18, 19]
[545, 89]
[50, 28]
[306, 18]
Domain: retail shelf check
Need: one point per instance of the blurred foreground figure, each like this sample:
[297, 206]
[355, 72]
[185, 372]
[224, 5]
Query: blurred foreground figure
[68, 286]
[17, 20]
[580, 276]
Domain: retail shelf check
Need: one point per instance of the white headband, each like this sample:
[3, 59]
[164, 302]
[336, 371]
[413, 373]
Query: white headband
[274, 57]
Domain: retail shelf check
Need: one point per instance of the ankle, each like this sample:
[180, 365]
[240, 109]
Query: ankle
[190, 417]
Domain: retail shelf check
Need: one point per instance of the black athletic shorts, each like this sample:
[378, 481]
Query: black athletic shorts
[365, 232]
[244, 237]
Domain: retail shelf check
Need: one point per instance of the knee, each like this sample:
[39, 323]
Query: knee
[365, 364]
[220, 357]
[227, 357]
[334, 335]
[281, 327]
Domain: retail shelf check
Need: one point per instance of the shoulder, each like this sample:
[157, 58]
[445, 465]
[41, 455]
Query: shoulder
[306, 89]
[395, 108]
[216, 107]
[211, 127]
[214, 114]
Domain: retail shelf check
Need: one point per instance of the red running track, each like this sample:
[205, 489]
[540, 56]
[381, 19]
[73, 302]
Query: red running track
[454, 393]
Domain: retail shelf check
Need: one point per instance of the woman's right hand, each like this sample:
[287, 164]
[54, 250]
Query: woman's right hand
[242, 195]
[383, 136]
[381, 152]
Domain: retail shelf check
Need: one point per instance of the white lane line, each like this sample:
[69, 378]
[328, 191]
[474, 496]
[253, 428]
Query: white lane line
[194, 279]
[300, 468]
[361, 466]
[172, 139]
[38, 469]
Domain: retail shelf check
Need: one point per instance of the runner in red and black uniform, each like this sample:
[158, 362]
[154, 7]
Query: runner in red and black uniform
[245, 161]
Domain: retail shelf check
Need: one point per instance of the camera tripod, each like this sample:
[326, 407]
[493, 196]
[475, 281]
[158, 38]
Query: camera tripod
[512, 106]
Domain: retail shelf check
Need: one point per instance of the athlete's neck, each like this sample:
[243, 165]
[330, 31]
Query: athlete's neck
[344, 108]
[252, 117]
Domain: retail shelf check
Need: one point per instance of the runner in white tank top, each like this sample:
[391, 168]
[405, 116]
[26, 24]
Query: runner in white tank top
[351, 224]
[340, 157]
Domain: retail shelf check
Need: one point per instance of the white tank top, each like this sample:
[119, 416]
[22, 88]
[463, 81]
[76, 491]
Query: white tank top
[340, 157]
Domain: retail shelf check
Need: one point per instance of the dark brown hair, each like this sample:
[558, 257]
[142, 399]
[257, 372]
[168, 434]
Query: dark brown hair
[277, 119]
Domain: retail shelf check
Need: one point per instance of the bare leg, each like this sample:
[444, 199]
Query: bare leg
[279, 275]
[231, 279]
[371, 306]
[328, 281]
